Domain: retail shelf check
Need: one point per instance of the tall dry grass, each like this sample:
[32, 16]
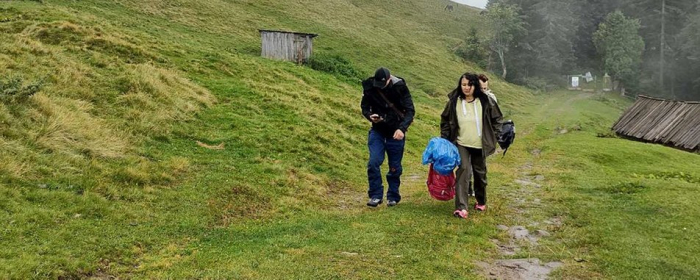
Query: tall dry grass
[102, 95]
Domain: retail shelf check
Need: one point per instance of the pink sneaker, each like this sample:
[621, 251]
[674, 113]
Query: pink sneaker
[480, 207]
[460, 213]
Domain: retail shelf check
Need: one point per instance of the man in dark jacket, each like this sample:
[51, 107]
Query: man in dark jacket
[387, 104]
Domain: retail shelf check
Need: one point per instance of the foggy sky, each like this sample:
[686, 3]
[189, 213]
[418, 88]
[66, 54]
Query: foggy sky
[474, 3]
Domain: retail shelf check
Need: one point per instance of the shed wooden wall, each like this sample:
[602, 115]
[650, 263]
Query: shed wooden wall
[662, 121]
[286, 46]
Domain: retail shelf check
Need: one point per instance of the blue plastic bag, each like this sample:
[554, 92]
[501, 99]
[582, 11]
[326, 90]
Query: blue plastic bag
[442, 154]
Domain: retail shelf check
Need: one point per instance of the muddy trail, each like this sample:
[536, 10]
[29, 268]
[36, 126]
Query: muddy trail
[523, 235]
[524, 199]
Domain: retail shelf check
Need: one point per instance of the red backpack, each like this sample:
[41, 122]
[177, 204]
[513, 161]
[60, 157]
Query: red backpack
[441, 187]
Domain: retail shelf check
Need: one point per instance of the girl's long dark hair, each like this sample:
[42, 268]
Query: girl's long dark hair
[473, 80]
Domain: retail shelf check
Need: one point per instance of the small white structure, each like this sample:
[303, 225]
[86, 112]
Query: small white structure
[585, 82]
[285, 45]
[574, 82]
[607, 83]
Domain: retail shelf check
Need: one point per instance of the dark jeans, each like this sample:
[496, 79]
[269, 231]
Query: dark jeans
[379, 145]
[472, 160]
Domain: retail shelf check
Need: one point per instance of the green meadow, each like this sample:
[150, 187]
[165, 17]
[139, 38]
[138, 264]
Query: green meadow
[149, 140]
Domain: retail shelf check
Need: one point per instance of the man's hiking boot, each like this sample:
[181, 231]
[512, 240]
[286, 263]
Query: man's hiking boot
[391, 203]
[480, 207]
[373, 202]
[462, 214]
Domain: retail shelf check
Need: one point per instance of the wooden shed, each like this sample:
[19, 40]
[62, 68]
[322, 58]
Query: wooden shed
[673, 123]
[285, 45]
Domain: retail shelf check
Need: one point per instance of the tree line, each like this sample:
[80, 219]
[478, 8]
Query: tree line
[649, 47]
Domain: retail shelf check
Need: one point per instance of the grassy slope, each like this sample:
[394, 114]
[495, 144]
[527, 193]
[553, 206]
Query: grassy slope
[627, 208]
[132, 195]
[112, 182]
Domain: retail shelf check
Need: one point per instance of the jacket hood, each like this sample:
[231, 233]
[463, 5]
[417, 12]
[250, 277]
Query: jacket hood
[395, 81]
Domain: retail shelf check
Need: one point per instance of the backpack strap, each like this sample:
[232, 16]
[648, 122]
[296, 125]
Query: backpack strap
[401, 114]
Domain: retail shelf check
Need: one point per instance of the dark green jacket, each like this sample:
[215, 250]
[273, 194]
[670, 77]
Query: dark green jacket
[492, 122]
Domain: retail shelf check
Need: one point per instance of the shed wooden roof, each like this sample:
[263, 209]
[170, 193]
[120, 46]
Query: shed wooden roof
[290, 32]
[674, 123]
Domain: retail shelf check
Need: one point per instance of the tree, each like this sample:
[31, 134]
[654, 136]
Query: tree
[690, 52]
[661, 21]
[546, 50]
[553, 36]
[505, 23]
[618, 42]
[559, 40]
[589, 14]
[473, 49]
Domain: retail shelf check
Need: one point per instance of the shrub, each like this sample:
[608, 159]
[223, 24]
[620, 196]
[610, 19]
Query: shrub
[336, 65]
[14, 90]
[538, 84]
[473, 49]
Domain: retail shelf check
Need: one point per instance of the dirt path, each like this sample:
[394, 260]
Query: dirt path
[520, 236]
[524, 197]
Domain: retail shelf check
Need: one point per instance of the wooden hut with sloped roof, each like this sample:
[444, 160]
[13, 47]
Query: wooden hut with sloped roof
[285, 45]
[672, 123]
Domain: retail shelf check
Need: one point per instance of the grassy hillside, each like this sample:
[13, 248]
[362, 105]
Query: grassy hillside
[121, 73]
[100, 168]
[627, 209]
[148, 139]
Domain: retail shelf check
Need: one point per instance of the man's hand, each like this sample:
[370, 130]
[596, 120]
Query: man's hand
[375, 118]
[398, 135]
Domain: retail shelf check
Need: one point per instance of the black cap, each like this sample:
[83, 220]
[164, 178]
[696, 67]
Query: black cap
[380, 77]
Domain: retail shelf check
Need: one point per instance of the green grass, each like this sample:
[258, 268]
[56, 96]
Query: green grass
[101, 174]
[627, 207]
[100, 170]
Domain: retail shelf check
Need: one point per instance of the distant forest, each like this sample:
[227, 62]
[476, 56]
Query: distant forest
[651, 47]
